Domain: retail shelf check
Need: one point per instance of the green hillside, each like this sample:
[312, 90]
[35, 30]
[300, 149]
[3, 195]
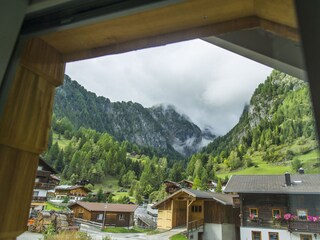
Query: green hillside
[275, 134]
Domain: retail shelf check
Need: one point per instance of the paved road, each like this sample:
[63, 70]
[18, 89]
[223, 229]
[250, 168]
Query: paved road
[96, 234]
[30, 236]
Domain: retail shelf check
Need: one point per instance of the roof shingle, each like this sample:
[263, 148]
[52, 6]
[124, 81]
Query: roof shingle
[108, 207]
[300, 184]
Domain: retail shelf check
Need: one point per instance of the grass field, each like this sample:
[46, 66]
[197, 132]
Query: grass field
[62, 142]
[310, 162]
[178, 237]
[51, 206]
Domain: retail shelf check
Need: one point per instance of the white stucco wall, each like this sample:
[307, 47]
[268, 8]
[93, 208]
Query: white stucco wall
[212, 231]
[245, 233]
[193, 235]
[228, 231]
[219, 231]
[42, 193]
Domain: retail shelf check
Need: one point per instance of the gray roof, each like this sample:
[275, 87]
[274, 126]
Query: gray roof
[300, 184]
[225, 199]
[148, 220]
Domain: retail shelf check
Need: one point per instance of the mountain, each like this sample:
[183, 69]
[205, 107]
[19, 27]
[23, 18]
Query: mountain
[160, 127]
[275, 128]
[277, 124]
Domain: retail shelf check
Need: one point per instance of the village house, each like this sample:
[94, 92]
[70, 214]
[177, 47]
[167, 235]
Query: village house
[172, 186]
[74, 193]
[275, 207]
[206, 215]
[45, 181]
[108, 214]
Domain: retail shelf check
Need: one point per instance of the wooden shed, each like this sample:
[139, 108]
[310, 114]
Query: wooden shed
[188, 205]
[108, 214]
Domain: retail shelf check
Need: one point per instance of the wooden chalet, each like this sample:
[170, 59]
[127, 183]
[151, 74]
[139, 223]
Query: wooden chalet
[108, 214]
[186, 183]
[45, 181]
[278, 206]
[205, 214]
[171, 186]
[75, 193]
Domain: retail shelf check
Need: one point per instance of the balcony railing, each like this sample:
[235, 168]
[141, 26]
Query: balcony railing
[195, 225]
[304, 226]
[39, 199]
[45, 186]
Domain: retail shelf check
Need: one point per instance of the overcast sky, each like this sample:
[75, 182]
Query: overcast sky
[208, 84]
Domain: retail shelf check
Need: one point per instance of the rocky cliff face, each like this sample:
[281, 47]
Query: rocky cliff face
[160, 127]
[279, 113]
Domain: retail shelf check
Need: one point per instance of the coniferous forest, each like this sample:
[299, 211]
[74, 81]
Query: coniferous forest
[275, 133]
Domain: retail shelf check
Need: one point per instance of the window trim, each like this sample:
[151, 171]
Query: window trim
[196, 208]
[257, 210]
[100, 216]
[302, 209]
[273, 232]
[305, 235]
[276, 209]
[122, 217]
[256, 232]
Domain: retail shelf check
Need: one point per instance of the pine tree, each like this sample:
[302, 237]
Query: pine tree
[219, 186]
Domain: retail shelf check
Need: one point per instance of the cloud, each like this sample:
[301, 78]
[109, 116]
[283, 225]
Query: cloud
[203, 81]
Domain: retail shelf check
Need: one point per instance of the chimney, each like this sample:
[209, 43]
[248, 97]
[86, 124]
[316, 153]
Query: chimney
[301, 170]
[287, 178]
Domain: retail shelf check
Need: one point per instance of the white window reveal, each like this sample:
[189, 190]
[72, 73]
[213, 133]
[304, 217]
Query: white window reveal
[100, 216]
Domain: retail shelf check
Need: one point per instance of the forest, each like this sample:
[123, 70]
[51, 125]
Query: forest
[275, 129]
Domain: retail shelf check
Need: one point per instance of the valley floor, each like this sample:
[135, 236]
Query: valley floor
[96, 234]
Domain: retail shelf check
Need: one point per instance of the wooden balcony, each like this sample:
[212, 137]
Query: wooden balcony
[44, 186]
[304, 226]
[39, 199]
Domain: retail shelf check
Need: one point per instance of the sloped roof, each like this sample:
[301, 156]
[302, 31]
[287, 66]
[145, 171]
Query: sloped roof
[108, 207]
[43, 163]
[148, 220]
[300, 184]
[69, 187]
[225, 199]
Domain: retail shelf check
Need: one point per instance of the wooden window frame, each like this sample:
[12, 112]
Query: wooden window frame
[100, 216]
[302, 209]
[196, 208]
[276, 209]
[122, 217]
[273, 232]
[257, 210]
[305, 235]
[256, 232]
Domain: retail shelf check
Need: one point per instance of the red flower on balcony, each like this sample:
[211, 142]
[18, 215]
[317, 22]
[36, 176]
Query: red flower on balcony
[313, 218]
[289, 217]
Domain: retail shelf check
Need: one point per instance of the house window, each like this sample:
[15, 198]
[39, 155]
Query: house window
[35, 193]
[80, 215]
[305, 237]
[196, 208]
[121, 216]
[302, 214]
[273, 236]
[99, 216]
[256, 235]
[276, 212]
[253, 212]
